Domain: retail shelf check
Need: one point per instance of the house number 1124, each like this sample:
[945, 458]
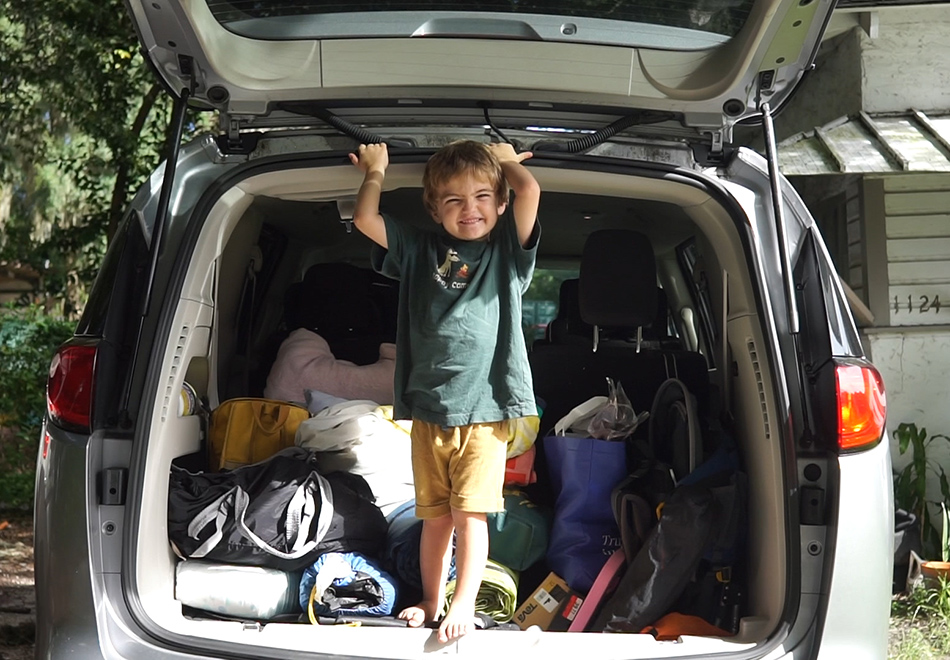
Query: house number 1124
[923, 304]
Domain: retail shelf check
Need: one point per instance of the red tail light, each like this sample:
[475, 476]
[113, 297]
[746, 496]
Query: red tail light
[861, 406]
[69, 388]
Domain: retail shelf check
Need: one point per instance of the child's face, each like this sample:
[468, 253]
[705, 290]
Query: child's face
[467, 207]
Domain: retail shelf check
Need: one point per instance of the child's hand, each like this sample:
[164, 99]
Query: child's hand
[504, 152]
[371, 158]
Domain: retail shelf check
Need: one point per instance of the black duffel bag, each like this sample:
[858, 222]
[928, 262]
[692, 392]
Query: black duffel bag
[280, 513]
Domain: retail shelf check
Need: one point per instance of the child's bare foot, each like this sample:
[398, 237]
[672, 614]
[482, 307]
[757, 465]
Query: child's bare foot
[455, 624]
[419, 614]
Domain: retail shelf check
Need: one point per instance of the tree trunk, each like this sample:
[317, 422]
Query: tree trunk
[124, 162]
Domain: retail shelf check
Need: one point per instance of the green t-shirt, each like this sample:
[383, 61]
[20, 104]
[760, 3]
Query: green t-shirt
[460, 352]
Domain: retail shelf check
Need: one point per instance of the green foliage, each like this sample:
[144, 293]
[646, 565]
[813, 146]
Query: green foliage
[545, 287]
[929, 598]
[82, 123]
[28, 339]
[546, 283]
[910, 485]
[945, 533]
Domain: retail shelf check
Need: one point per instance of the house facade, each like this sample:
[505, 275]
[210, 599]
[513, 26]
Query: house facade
[16, 282]
[866, 142]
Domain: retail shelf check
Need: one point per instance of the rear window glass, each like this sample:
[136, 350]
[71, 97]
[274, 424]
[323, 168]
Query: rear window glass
[594, 21]
[539, 305]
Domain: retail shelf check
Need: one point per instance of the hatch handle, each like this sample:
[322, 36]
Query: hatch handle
[779, 218]
[490, 28]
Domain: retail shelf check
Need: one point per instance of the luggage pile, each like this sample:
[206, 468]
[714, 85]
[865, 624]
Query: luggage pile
[307, 514]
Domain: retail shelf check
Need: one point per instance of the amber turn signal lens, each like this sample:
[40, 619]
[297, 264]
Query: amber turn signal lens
[861, 406]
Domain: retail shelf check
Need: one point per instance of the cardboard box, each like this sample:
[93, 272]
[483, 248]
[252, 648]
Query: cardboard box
[552, 606]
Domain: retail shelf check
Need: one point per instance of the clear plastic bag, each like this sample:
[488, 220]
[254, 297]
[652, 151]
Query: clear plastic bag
[616, 419]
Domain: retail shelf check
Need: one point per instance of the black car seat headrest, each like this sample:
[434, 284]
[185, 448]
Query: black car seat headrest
[568, 324]
[334, 300]
[617, 286]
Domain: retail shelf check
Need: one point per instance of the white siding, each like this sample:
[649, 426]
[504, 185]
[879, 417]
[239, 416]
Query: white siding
[917, 221]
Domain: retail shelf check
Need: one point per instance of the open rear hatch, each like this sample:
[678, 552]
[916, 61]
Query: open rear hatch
[711, 63]
[694, 69]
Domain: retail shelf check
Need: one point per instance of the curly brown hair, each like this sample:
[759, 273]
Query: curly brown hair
[462, 157]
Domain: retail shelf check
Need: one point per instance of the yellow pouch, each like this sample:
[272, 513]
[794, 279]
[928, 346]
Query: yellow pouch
[248, 430]
[522, 432]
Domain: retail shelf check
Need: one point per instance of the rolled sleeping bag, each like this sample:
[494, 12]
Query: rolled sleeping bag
[497, 595]
[346, 583]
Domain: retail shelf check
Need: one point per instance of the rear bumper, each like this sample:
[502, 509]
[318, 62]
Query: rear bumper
[857, 616]
[78, 565]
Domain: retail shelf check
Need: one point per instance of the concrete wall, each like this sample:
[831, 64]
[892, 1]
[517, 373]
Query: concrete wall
[904, 66]
[915, 366]
[891, 60]
[833, 89]
[898, 66]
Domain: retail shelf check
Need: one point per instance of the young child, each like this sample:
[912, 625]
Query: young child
[461, 361]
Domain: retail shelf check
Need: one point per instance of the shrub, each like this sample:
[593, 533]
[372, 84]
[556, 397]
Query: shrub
[28, 339]
[910, 483]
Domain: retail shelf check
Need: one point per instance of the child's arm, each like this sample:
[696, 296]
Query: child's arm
[373, 159]
[527, 190]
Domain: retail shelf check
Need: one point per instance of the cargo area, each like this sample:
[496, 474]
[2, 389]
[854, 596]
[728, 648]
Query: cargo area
[282, 224]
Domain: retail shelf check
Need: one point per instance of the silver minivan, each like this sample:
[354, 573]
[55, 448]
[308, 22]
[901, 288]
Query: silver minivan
[630, 110]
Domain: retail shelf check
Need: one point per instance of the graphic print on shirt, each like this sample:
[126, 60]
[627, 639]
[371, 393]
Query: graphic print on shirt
[443, 274]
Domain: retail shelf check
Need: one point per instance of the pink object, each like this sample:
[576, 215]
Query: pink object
[519, 470]
[304, 362]
[601, 590]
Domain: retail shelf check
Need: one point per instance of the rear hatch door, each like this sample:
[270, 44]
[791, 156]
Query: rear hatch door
[705, 63]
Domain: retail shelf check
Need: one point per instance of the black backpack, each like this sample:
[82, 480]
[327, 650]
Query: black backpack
[683, 525]
[280, 513]
[674, 448]
[691, 561]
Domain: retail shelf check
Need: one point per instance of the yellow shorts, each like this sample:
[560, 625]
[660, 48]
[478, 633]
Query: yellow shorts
[460, 468]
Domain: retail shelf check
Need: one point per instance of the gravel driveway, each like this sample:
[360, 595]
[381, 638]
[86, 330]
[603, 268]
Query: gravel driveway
[17, 600]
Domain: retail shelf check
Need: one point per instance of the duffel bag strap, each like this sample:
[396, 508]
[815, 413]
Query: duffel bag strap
[217, 513]
[300, 512]
[302, 500]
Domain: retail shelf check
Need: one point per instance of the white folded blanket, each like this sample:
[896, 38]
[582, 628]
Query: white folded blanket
[362, 438]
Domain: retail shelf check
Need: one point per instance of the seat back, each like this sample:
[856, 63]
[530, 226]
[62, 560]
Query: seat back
[658, 334]
[346, 305]
[567, 327]
[617, 294]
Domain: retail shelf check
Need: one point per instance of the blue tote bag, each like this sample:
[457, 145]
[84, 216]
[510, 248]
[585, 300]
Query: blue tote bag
[583, 472]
